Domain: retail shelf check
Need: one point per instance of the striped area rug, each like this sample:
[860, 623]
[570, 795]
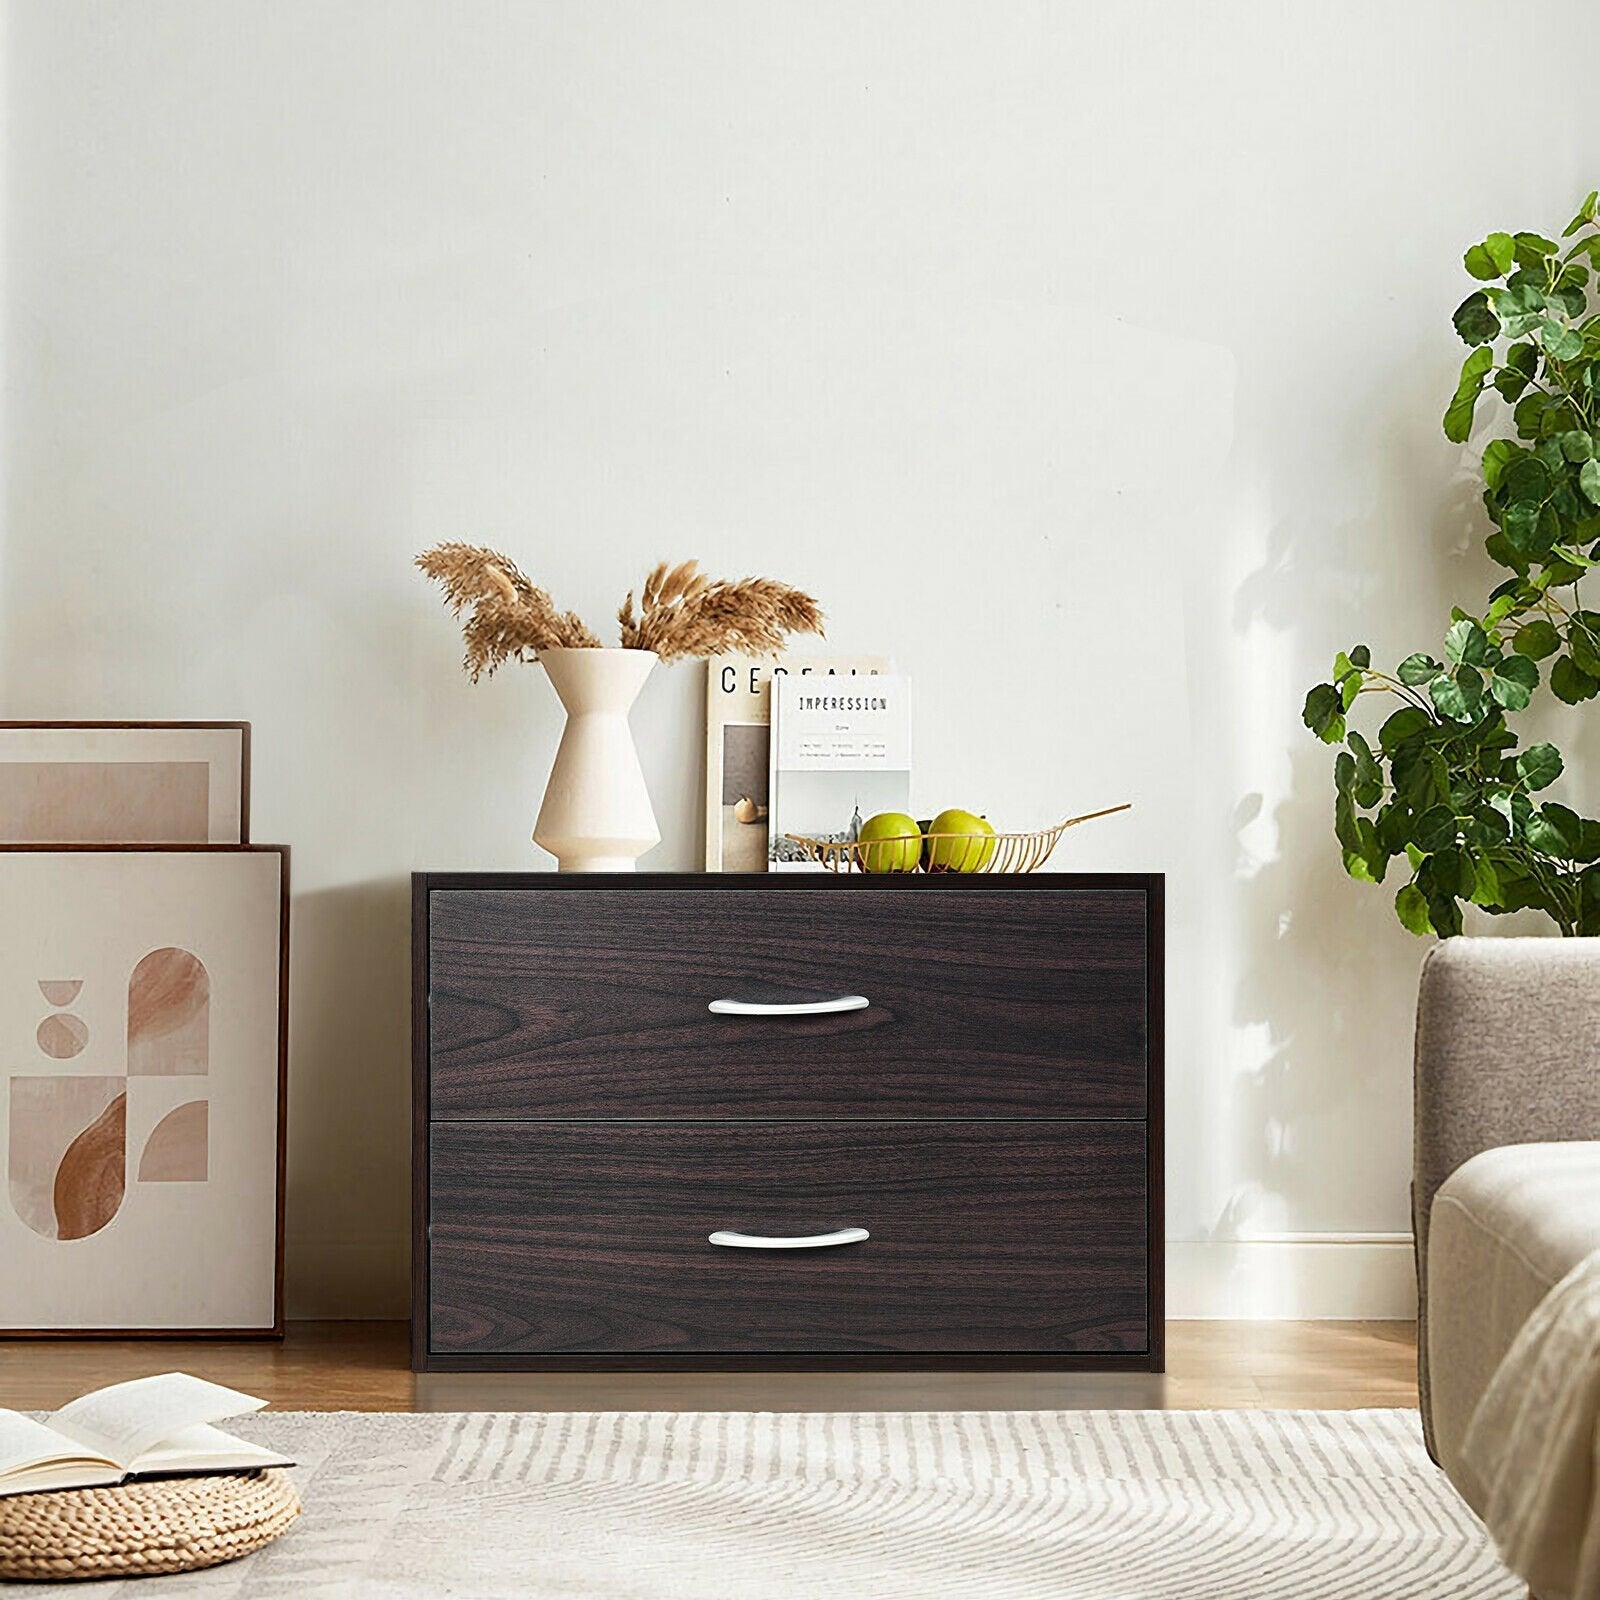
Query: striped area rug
[1073, 1505]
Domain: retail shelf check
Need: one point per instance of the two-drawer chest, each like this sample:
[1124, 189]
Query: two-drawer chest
[787, 1120]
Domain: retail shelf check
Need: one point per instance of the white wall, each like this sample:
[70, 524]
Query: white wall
[1087, 358]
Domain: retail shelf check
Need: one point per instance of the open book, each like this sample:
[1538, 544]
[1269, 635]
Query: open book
[149, 1428]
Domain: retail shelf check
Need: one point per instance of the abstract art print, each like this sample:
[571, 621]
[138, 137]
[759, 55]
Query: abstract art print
[124, 783]
[141, 1089]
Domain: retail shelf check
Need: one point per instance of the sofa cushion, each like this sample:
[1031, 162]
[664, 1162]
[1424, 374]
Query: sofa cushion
[1507, 1226]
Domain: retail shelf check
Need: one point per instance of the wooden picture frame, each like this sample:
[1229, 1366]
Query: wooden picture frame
[124, 783]
[143, 1090]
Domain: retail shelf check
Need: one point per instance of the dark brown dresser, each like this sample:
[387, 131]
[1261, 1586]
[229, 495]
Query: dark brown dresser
[787, 1120]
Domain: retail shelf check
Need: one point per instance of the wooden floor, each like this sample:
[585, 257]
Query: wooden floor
[362, 1366]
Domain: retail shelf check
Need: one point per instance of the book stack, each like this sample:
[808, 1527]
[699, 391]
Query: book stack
[739, 700]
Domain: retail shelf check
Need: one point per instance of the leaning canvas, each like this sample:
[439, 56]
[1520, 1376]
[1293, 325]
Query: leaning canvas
[124, 782]
[141, 1088]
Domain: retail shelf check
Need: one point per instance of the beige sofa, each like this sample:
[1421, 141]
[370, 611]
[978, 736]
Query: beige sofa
[1506, 1192]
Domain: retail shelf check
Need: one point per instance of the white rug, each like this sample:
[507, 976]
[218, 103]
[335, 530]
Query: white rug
[1073, 1505]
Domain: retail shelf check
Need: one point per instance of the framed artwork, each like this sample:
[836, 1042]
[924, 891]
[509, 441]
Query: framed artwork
[142, 1074]
[124, 782]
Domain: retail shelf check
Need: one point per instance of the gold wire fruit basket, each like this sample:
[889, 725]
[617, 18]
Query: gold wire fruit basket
[961, 852]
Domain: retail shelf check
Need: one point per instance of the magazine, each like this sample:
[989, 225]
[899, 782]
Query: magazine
[840, 753]
[148, 1427]
[738, 701]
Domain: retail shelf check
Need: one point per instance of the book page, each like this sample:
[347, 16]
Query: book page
[26, 1443]
[126, 1420]
[202, 1448]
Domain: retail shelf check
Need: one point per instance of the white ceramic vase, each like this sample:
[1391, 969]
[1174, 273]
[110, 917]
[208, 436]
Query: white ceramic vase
[596, 815]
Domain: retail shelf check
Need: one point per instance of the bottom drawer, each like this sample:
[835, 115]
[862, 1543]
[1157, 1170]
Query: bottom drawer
[592, 1238]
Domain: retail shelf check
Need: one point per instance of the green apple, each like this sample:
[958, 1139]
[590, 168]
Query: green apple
[891, 842]
[971, 851]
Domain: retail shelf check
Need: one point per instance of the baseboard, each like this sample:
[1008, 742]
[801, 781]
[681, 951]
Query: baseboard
[1293, 1276]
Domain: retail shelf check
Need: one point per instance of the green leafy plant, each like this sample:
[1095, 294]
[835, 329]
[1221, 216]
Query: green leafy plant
[1443, 789]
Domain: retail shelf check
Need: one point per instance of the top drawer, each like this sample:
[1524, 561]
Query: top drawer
[579, 1003]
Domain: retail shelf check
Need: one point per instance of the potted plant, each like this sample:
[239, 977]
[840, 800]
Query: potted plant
[596, 815]
[1442, 792]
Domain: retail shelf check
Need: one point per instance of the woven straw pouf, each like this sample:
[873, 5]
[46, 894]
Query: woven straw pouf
[160, 1525]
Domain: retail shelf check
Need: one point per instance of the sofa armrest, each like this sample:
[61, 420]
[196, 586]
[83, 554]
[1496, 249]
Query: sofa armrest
[1507, 1052]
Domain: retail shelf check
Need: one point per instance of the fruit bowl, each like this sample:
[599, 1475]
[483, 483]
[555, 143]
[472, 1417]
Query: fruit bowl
[1010, 852]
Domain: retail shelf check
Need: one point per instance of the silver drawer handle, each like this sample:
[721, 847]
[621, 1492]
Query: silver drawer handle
[809, 1241]
[788, 1008]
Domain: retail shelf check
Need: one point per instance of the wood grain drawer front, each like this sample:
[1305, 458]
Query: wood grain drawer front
[567, 1238]
[575, 1003]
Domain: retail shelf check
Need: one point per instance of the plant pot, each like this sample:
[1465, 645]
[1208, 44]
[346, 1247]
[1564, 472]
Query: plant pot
[596, 815]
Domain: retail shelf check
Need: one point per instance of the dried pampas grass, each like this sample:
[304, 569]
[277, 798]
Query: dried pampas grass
[511, 615]
[682, 613]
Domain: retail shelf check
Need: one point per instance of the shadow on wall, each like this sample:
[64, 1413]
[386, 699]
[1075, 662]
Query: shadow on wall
[1313, 943]
[349, 1102]
[1341, 1083]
